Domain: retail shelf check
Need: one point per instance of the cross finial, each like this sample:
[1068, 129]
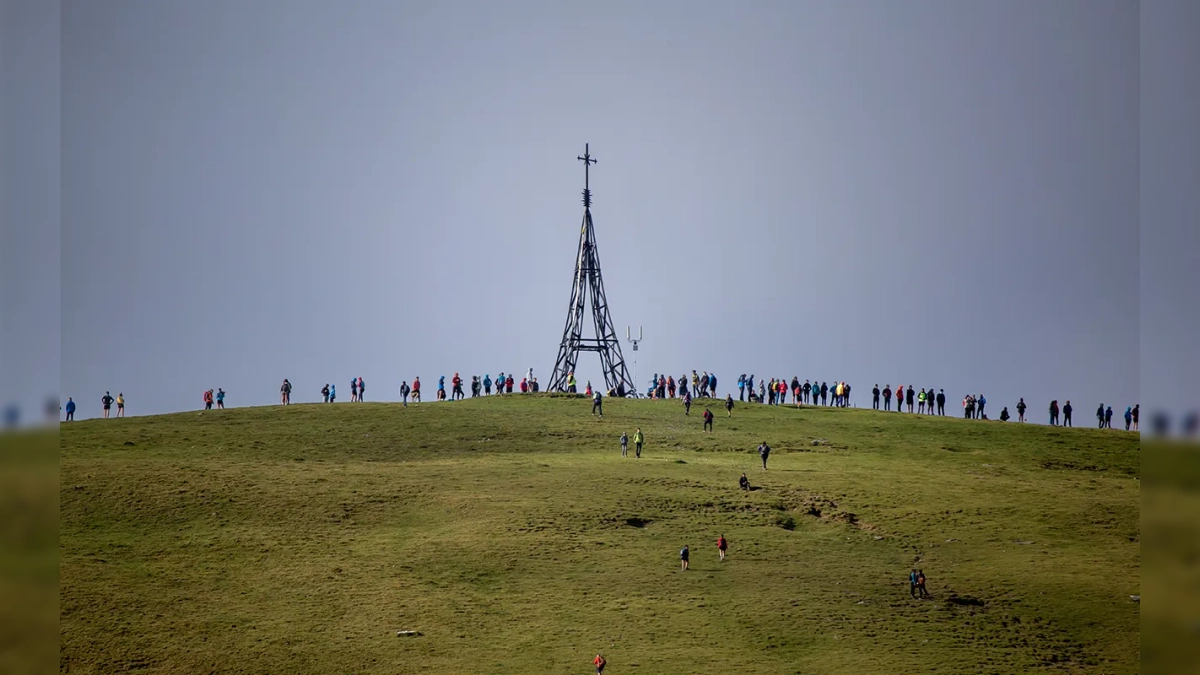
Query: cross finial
[588, 161]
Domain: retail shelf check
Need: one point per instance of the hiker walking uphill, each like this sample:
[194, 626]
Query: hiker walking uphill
[708, 420]
[638, 439]
[687, 403]
[764, 451]
[599, 662]
[729, 405]
[921, 584]
[404, 390]
[597, 409]
[722, 545]
[624, 444]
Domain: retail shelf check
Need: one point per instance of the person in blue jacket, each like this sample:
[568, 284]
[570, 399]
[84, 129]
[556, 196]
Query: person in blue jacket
[441, 395]
[487, 385]
[70, 409]
[332, 393]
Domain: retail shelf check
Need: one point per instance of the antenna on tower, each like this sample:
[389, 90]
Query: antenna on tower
[634, 341]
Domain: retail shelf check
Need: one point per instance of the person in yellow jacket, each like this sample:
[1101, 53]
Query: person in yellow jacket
[638, 439]
[571, 382]
[921, 396]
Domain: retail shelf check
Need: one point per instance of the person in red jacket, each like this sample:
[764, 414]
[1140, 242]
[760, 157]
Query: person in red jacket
[722, 544]
[599, 662]
[416, 390]
[508, 384]
[708, 419]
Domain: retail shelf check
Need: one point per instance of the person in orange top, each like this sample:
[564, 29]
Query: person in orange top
[721, 546]
[599, 662]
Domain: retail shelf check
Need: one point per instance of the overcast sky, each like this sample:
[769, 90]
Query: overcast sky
[932, 193]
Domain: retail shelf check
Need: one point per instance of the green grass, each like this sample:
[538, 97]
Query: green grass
[513, 536]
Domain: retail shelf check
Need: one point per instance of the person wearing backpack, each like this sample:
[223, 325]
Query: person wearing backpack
[353, 389]
[1108, 417]
[285, 392]
[599, 662]
[684, 554]
[325, 394]
[597, 409]
[722, 545]
[729, 405]
[208, 399]
[404, 389]
[708, 420]
[764, 451]
[921, 402]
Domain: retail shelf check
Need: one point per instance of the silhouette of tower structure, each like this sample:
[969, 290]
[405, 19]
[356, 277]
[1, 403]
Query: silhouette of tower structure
[589, 281]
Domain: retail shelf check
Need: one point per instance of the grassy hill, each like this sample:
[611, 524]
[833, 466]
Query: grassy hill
[512, 534]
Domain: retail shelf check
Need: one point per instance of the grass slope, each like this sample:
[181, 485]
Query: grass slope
[513, 536]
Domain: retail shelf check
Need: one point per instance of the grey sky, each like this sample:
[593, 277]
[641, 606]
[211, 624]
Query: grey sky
[939, 193]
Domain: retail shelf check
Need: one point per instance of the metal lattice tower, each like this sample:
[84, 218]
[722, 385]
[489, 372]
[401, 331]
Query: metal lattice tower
[588, 280]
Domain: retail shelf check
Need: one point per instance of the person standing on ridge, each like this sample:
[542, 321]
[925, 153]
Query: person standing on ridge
[1108, 417]
[416, 390]
[887, 397]
[875, 398]
[638, 439]
[362, 390]
[220, 398]
[285, 392]
[910, 396]
[1054, 413]
[1066, 412]
[722, 544]
[1128, 417]
[508, 384]
[207, 398]
[941, 401]
[671, 386]
[106, 401]
[487, 385]
[921, 402]
[500, 383]
[1100, 416]
[980, 403]
[708, 420]
[742, 387]
[404, 389]
[70, 409]
[570, 382]
[332, 393]
[1137, 412]
[325, 394]
[764, 451]
[121, 404]
[353, 389]
[1021, 410]
[597, 409]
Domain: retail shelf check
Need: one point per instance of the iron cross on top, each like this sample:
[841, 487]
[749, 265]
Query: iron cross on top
[587, 160]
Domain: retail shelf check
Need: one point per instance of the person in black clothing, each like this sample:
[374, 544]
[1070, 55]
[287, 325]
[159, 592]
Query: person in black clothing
[941, 401]
[1100, 415]
[744, 482]
[1054, 413]
[1021, 410]
[1066, 411]
[875, 398]
[106, 401]
[1004, 414]
[708, 419]
[764, 451]
[910, 395]
[887, 397]
[824, 393]
[729, 405]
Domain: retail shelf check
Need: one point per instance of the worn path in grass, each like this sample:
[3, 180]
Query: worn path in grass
[513, 536]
